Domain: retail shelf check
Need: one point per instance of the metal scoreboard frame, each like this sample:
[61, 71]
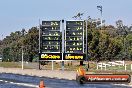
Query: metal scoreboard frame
[75, 35]
[47, 29]
[74, 55]
[62, 54]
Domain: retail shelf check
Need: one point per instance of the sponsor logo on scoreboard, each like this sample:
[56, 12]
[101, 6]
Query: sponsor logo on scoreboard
[74, 56]
[51, 56]
[58, 56]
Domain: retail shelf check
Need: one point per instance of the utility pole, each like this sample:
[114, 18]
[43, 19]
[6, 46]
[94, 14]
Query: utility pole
[63, 44]
[2, 47]
[23, 30]
[22, 57]
[39, 42]
[87, 41]
[101, 11]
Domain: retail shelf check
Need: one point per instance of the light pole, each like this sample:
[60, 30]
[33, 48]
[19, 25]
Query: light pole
[88, 21]
[23, 30]
[39, 42]
[100, 9]
[2, 47]
[22, 57]
[87, 43]
[63, 43]
[23, 33]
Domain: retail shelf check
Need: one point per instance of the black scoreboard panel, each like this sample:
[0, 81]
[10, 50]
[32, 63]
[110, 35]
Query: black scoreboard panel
[74, 36]
[50, 36]
[75, 23]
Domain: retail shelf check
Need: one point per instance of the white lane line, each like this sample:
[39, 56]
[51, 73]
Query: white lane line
[6, 81]
[124, 85]
[1, 80]
[11, 82]
[22, 84]
[25, 84]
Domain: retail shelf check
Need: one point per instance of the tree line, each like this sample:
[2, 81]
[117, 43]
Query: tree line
[11, 46]
[105, 42]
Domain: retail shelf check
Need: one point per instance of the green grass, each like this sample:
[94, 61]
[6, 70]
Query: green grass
[73, 67]
[57, 66]
[119, 67]
[11, 65]
[111, 69]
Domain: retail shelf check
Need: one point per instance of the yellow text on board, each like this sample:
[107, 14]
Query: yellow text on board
[46, 56]
[74, 57]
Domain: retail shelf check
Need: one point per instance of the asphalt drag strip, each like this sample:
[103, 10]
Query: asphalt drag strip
[16, 83]
[26, 81]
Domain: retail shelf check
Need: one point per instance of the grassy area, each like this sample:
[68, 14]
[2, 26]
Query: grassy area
[57, 66]
[72, 66]
[128, 67]
[11, 65]
[92, 69]
[111, 69]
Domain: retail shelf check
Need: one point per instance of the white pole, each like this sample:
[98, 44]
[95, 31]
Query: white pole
[131, 67]
[87, 44]
[123, 63]
[97, 66]
[22, 46]
[101, 20]
[100, 9]
[101, 16]
[22, 57]
[105, 66]
[63, 44]
[125, 67]
[52, 65]
[39, 35]
[83, 37]
[101, 66]
[39, 41]
[86, 40]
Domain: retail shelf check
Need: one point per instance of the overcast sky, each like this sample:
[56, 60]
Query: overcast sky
[18, 14]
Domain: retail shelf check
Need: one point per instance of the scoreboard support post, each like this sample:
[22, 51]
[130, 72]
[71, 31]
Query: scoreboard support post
[75, 38]
[81, 63]
[63, 44]
[39, 43]
[52, 65]
[87, 44]
[59, 43]
[49, 42]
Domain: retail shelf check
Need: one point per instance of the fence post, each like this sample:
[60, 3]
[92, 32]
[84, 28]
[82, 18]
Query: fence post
[123, 62]
[131, 67]
[52, 65]
[125, 67]
[101, 66]
[105, 66]
[97, 66]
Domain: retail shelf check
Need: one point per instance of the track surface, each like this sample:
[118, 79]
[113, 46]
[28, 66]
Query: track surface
[25, 81]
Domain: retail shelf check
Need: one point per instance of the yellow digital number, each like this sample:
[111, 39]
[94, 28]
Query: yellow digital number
[54, 24]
